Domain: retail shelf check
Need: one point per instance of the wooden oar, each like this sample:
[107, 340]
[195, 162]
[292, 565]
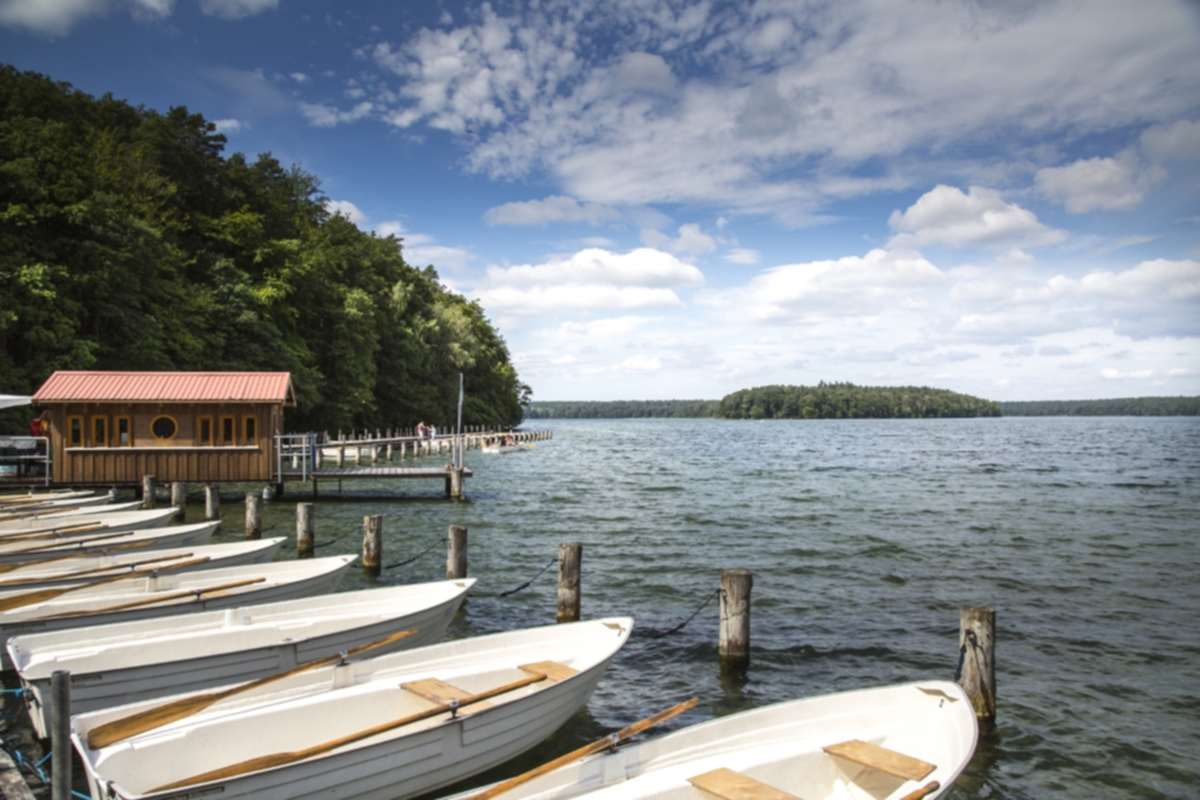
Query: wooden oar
[125, 727]
[279, 759]
[70, 553]
[66, 576]
[197, 593]
[27, 512]
[611, 740]
[50, 533]
[42, 595]
[73, 545]
[924, 791]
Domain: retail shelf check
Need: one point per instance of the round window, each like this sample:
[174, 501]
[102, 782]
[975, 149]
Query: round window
[163, 428]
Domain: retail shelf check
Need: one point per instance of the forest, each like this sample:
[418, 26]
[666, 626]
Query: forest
[1114, 407]
[130, 240]
[620, 409]
[848, 401]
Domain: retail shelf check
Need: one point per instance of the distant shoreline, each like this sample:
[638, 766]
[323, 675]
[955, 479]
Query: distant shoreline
[1175, 406]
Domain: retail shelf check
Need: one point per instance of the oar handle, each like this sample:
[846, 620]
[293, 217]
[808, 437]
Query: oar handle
[924, 791]
[197, 593]
[120, 729]
[596, 746]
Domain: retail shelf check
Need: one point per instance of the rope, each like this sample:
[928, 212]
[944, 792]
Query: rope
[708, 598]
[527, 583]
[324, 544]
[437, 541]
[962, 655]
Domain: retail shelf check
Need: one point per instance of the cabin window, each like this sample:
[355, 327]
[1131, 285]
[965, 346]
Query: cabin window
[75, 431]
[99, 431]
[163, 427]
[249, 430]
[204, 431]
[228, 430]
[122, 435]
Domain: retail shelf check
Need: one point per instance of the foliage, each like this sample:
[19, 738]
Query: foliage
[1114, 407]
[615, 409]
[129, 241]
[847, 401]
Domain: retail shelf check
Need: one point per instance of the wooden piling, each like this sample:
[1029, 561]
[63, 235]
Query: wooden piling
[454, 484]
[212, 501]
[977, 649]
[456, 552]
[372, 545]
[60, 735]
[734, 642]
[341, 456]
[570, 557]
[253, 516]
[147, 491]
[179, 500]
[305, 528]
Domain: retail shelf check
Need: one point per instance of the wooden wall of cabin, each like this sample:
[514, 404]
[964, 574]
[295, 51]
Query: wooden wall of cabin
[182, 457]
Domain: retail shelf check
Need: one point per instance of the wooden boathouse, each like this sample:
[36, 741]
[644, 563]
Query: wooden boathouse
[111, 428]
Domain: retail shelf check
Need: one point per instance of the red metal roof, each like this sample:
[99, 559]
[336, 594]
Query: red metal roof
[166, 387]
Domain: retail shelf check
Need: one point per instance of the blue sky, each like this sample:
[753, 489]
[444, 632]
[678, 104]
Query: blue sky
[664, 199]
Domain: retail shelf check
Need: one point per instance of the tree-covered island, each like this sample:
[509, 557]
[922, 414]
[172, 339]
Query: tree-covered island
[130, 240]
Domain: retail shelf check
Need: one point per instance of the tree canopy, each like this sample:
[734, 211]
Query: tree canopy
[130, 240]
[848, 401]
[1112, 407]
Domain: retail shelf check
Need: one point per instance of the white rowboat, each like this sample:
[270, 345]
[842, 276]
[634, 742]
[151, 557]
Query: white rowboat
[172, 593]
[53, 506]
[72, 522]
[893, 742]
[118, 664]
[77, 569]
[378, 729]
[10, 500]
[100, 541]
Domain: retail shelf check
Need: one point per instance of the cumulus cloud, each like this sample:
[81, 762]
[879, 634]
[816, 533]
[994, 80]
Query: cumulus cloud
[1178, 141]
[236, 9]
[742, 255]
[1092, 183]
[946, 215]
[550, 209]
[323, 116]
[346, 209]
[590, 279]
[57, 17]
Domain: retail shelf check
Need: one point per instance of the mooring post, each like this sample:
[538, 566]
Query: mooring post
[734, 643]
[61, 751]
[305, 527]
[455, 483]
[977, 651]
[147, 491]
[341, 456]
[570, 557]
[253, 516]
[372, 545]
[179, 499]
[388, 451]
[212, 501]
[456, 552]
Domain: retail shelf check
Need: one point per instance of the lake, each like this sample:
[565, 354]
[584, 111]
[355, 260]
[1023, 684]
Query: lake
[865, 538]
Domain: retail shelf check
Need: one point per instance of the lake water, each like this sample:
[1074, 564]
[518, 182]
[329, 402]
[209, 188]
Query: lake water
[865, 538]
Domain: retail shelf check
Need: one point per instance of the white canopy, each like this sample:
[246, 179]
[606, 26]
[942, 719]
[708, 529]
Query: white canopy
[14, 400]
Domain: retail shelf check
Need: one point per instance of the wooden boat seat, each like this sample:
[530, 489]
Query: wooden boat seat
[730, 785]
[440, 692]
[554, 671]
[888, 761]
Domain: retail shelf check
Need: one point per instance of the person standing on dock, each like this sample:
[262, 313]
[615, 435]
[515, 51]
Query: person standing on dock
[421, 429]
[432, 432]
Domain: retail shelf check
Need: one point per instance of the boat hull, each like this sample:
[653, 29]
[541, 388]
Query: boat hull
[131, 542]
[93, 690]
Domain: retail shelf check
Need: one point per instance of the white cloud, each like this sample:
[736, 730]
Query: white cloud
[57, 17]
[323, 116]
[1179, 141]
[742, 255]
[1092, 183]
[550, 209]
[948, 216]
[298, 77]
[606, 101]
[228, 125]
[346, 209]
[693, 241]
[589, 279]
[236, 9]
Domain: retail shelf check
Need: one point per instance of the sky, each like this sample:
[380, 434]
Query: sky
[658, 199]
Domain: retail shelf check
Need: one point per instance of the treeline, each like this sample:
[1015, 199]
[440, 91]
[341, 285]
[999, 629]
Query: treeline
[1115, 407]
[618, 409]
[848, 401]
[129, 240]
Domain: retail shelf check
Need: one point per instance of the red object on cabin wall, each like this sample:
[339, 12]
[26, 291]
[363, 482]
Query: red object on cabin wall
[166, 387]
